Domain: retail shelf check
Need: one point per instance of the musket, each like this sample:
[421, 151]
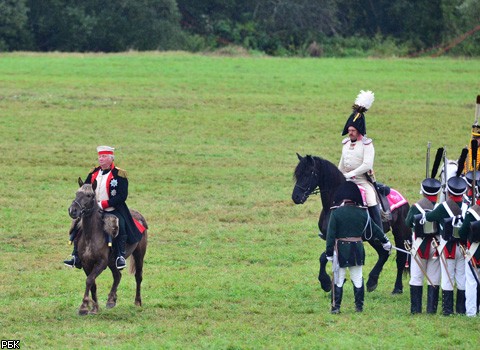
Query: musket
[474, 273]
[474, 147]
[428, 160]
[444, 185]
[419, 263]
[442, 259]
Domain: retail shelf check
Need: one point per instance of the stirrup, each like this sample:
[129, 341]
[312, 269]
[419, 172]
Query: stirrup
[73, 262]
[120, 263]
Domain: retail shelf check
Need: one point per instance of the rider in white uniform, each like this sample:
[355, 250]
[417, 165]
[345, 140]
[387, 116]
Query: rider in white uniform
[358, 153]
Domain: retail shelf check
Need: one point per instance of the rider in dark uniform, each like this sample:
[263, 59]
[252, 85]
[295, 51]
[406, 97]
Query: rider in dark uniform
[349, 221]
[111, 193]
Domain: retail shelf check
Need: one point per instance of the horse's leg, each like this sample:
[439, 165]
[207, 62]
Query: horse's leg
[382, 259]
[95, 307]
[323, 277]
[401, 232]
[117, 276]
[137, 267]
[90, 286]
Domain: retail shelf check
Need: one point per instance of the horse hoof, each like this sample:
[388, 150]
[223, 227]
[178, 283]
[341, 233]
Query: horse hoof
[325, 283]
[372, 283]
[83, 312]
[397, 291]
[111, 305]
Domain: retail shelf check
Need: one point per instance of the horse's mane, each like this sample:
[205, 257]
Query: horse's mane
[326, 169]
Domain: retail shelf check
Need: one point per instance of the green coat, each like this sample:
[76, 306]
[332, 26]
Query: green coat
[425, 204]
[439, 214]
[465, 229]
[350, 221]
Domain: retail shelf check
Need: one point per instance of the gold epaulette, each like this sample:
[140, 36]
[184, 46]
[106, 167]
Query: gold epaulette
[122, 173]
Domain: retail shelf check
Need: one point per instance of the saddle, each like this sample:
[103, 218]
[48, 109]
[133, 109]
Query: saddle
[382, 192]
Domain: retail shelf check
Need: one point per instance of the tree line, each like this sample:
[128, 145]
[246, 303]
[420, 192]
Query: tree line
[274, 27]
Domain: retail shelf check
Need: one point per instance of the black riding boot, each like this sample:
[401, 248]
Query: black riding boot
[337, 293]
[416, 299]
[375, 215]
[75, 260]
[460, 307]
[359, 294]
[432, 299]
[447, 302]
[121, 242]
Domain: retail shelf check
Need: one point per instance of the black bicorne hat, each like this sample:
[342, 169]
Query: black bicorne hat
[357, 119]
[456, 185]
[348, 191]
[431, 187]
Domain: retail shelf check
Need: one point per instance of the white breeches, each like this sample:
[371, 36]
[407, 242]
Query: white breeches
[431, 266]
[471, 291]
[456, 271]
[355, 275]
[370, 194]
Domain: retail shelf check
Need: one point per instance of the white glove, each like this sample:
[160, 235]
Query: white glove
[100, 205]
[387, 246]
[349, 175]
[330, 258]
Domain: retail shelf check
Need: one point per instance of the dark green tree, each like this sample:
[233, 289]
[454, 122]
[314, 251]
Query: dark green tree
[14, 33]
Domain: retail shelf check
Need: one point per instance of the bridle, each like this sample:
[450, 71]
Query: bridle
[307, 191]
[83, 211]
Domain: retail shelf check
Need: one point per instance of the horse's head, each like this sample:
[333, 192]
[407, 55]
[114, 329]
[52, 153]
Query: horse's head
[84, 202]
[306, 179]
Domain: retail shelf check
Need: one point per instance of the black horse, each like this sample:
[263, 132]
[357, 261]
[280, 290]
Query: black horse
[314, 172]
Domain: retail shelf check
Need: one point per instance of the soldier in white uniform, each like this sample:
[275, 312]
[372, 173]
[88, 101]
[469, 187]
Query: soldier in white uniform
[358, 153]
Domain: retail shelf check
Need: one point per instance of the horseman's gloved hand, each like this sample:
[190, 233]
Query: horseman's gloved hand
[100, 205]
[387, 246]
[349, 175]
[329, 257]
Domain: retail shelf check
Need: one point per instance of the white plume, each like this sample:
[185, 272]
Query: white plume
[365, 99]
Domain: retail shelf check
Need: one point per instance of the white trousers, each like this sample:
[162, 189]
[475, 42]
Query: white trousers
[370, 194]
[431, 267]
[339, 273]
[471, 291]
[456, 270]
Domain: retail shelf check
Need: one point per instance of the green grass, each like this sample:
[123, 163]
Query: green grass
[209, 145]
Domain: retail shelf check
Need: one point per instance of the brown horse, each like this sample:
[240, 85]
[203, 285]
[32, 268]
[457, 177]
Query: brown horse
[94, 251]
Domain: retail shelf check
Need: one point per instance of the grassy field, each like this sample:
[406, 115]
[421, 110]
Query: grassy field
[209, 145]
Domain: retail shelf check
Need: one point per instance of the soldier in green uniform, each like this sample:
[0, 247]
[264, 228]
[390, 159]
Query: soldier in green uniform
[349, 222]
[470, 233]
[453, 272]
[423, 252]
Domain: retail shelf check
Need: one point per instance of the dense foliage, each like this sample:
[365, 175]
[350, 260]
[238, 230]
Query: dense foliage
[275, 27]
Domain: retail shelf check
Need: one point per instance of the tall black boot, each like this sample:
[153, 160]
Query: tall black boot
[416, 299]
[375, 215]
[432, 299]
[447, 302]
[337, 294]
[75, 260]
[359, 294]
[460, 307]
[121, 242]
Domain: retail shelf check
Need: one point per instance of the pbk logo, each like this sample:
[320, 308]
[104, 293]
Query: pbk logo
[10, 344]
